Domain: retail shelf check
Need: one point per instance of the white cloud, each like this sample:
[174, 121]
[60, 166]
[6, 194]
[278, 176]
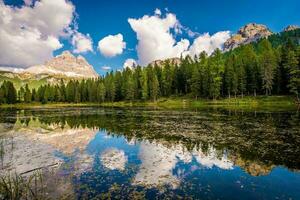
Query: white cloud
[158, 163]
[114, 159]
[82, 43]
[105, 68]
[129, 63]
[208, 43]
[111, 45]
[29, 35]
[155, 40]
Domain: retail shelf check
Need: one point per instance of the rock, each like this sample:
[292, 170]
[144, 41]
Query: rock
[291, 28]
[160, 63]
[248, 33]
[65, 64]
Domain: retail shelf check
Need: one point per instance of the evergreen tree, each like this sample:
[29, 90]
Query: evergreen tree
[101, 92]
[216, 66]
[230, 81]
[153, 85]
[144, 81]
[268, 65]
[196, 83]
[292, 63]
[27, 94]
[10, 92]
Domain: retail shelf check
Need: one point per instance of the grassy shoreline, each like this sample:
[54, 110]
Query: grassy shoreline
[247, 102]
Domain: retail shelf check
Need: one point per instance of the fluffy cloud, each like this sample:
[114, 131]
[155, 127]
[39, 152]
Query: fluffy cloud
[158, 163]
[129, 63]
[114, 159]
[155, 40]
[82, 43]
[30, 34]
[208, 43]
[112, 45]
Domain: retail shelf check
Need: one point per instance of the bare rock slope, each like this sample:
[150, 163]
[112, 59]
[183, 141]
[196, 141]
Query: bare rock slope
[65, 64]
[248, 33]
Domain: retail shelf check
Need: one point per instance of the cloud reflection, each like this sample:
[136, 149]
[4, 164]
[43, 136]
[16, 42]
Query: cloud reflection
[159, 161]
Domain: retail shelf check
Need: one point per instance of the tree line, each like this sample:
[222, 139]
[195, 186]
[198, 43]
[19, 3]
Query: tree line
[269, 66]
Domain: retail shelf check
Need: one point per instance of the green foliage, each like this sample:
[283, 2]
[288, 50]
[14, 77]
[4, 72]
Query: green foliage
[269, 66]
[8, 93]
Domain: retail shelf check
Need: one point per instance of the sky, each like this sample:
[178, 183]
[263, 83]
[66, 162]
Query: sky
[117, 33]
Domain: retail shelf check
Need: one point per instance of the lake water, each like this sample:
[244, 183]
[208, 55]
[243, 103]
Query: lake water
[105, 153]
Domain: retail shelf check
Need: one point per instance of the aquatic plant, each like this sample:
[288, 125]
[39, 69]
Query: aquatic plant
[15, 186]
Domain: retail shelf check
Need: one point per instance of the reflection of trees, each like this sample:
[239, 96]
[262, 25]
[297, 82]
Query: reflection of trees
[7, 119]
[252, 140]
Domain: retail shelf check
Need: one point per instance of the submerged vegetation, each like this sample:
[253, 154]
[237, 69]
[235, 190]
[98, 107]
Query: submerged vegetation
[151, 152]
[270, 66]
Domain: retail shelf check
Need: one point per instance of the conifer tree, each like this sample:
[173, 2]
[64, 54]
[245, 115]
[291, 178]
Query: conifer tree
[292, 63]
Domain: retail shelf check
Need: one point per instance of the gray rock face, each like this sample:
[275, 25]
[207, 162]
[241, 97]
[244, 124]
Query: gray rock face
[291, 28]
[248, 33]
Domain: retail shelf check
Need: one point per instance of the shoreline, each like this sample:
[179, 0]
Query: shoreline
[247, 102]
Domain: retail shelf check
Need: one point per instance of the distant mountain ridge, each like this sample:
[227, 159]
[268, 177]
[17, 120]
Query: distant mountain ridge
[65, 64]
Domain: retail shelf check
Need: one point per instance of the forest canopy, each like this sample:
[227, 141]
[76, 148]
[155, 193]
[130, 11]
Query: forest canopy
[266, 67]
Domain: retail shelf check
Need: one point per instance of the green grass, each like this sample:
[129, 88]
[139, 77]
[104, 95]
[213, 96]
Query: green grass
[259, 102]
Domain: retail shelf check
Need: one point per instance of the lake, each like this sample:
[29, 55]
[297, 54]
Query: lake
[139, 153]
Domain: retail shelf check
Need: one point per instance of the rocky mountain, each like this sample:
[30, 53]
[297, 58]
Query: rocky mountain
[291, 28]
[65, 66]
[173, 61]
[248, 33]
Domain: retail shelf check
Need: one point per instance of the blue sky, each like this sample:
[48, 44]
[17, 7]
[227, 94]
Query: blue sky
[102, 18]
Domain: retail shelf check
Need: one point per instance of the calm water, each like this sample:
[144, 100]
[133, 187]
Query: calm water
[155, 154]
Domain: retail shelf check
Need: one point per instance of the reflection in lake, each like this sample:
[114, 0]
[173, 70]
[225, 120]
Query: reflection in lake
[118, 153]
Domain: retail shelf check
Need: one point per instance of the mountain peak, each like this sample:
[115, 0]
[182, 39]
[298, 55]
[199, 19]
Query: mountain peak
[246, 34]
[65, 64]
[291, 28]
[66, 53]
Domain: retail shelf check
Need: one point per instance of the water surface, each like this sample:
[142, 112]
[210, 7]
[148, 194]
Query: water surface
[148, 153]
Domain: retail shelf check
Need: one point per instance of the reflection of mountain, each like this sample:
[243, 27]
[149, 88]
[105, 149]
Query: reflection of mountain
[32, 145]
[159, 161]
[63, 138]
[253, 168]
[254, 141]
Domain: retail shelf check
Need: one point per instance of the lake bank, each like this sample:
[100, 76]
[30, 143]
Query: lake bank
[248, 102]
